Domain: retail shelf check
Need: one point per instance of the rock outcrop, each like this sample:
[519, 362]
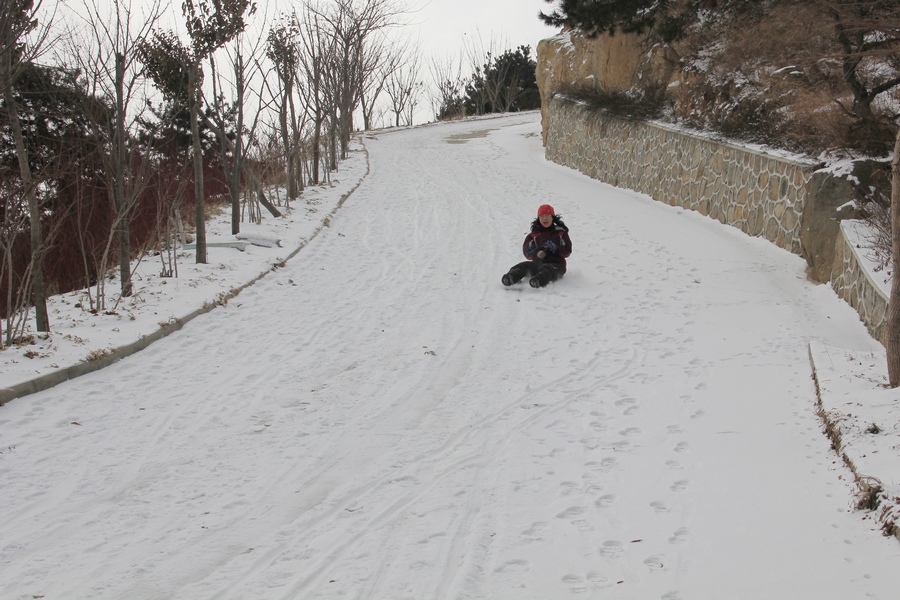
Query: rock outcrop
[569, 62]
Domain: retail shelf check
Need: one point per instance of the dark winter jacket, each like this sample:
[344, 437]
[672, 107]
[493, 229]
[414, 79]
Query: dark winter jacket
[553, 240]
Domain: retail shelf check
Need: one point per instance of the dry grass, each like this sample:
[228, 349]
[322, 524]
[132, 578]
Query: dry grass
[867, 492]
[770, 72]
[889, 518]
[642, 103]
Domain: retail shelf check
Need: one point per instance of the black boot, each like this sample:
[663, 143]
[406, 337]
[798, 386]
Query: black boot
[507, 280]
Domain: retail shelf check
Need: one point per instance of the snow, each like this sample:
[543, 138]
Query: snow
[861, 240]
[380, 418]
[840, 166]
[564, 39]
[863, 413]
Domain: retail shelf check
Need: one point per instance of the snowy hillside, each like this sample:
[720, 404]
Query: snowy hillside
[381, 419]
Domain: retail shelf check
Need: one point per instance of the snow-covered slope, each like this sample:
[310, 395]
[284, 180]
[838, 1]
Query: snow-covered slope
[382, 419]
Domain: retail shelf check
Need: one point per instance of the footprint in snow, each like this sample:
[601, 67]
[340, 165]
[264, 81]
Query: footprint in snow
[576, 582]
[608, 464]
[679, 537]
[572, 512]
[590, 443]
[567, 487]
[621, 445]
[605, 500]
[598, 579]
[679, 486]
[536, 531]
[612, 549]
[654, 563]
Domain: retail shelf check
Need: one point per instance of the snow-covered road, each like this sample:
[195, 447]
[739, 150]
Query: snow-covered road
[382, 419]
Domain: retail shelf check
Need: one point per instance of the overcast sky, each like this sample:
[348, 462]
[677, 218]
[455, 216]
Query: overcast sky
[443, 29]
[443, 25]
[446, 28]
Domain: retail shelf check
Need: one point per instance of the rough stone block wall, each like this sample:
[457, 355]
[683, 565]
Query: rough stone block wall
[763, 195]
[853, 284]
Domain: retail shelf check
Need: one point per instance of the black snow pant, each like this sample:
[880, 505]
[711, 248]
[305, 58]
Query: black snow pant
[544, 271]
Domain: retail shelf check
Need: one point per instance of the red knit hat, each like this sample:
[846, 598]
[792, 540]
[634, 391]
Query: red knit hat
[546, 209]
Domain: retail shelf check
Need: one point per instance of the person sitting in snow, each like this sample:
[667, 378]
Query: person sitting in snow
[546, 249]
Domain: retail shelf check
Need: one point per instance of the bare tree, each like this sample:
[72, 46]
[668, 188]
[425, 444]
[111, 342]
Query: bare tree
[15, 221]
[868, 34]
[209, 27]
[381, 60]
[106, 55]
[356, 27]
[485, 88]
[232, 147]
[284, 52]
[448, 89]
[21, 41]
[317, 49]
[403, 88]
[893, 317]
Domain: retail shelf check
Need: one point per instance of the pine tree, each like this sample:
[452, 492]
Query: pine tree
[664, 18]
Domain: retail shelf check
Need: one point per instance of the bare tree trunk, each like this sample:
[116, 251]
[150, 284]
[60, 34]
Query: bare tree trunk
[122, 212]
[893, 320]
[316, 147]
[295, 149]
[103, 53]
[286, 141]
[333, 133]
[39, 293]
[238, 152]
[200, 215]
[251, 175]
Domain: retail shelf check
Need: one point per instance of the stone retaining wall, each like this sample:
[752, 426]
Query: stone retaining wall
[761, 194]
[764, 195]
[853, 283]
